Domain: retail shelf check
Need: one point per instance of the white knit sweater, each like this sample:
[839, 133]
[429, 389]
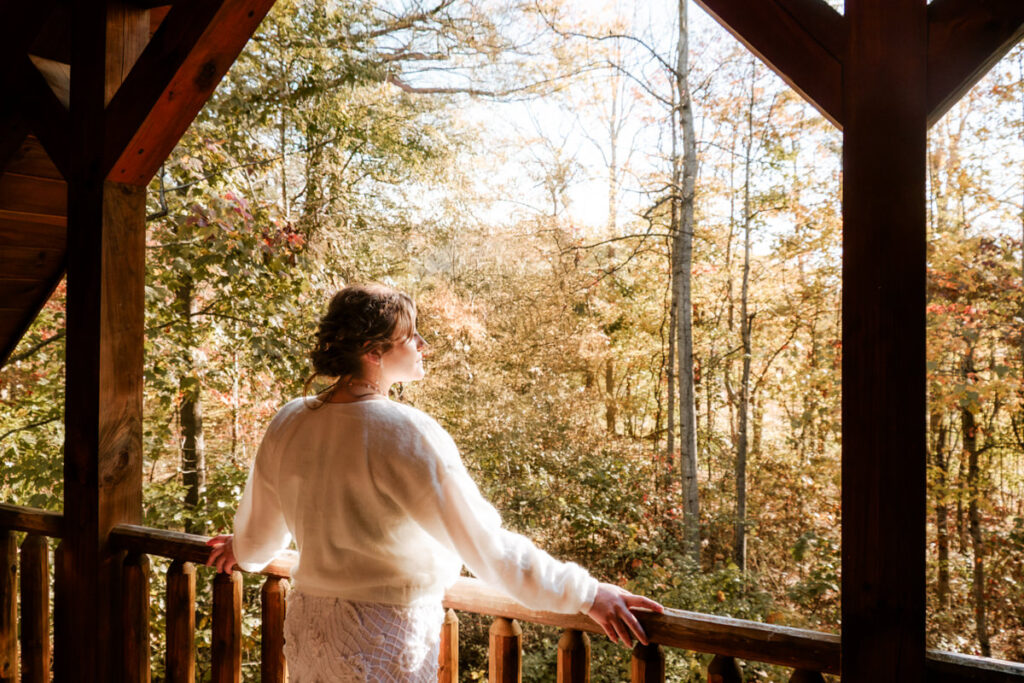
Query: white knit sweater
[383, 510]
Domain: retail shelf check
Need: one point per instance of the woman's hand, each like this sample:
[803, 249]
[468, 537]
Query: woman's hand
[612, 612]
[223, 555]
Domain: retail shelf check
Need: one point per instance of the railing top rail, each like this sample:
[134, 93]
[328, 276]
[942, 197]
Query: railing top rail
[786, 646]
[32, 520]
[799, 648]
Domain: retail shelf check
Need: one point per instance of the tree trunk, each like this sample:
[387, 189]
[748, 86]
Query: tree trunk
[941, 494]
[969, 427]
[670, 409]
[193, 455]
[610, 409]
[739, 550]
[684, 181]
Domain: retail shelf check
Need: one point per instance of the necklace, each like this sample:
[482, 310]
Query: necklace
[373, 388]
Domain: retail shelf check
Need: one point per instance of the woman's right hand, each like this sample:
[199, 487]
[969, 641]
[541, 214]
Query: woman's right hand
[612, 610]
[222, 556]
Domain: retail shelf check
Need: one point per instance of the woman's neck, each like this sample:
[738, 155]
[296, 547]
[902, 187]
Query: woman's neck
[356, 389]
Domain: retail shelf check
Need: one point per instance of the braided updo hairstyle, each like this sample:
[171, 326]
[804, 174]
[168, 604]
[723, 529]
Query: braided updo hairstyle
[360, 319]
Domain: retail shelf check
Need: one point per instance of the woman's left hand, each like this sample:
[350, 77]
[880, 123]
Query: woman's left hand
[223, 555]
[613, 612]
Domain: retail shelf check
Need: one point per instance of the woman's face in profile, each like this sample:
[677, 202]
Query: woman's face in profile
[403, 362]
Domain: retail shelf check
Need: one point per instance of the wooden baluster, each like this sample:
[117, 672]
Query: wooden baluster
[35, 609]
[506, 647]
[723, 669]
[805, 676]
[448, 657]
[135, 618]
[61, 633]
[9, 609]
[227, 628]
[272, 597]
[180, 662]
[648, 664]
[573, 657]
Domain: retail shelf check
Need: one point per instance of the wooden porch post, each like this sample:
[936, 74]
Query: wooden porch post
[884, 408]
[103, 409]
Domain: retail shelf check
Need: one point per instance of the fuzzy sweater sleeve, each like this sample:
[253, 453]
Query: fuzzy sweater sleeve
[260, 531]
[429, 482]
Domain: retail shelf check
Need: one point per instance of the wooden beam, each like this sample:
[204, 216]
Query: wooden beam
[20, 22]
[188, 55]
[884, 406]
[46, 115]
[13, 133]
[31, 160]
[105, 307]
[803, 41]
[965, 39]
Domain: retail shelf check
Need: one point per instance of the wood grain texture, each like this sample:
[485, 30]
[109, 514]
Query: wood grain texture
[35, 609]
[182, 546]
[32, 520]
[647, 664]
[8, 608]
[273, 595]
[448, 656]
[573, 657]
[965, 40]
[30, 159]
[105, 306]
[226, 637]
[47, 116]
[14, 130]
[61, 626]
[23, 234]
[947, 667]
[31, 194]
[884, 405]
[723, 669]
[135, 618]
[184, 61]
[801, 40]
[180, 661]
[505, 651]
[35, 263]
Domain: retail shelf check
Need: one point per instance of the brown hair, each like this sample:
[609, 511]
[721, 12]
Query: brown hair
[360, 319]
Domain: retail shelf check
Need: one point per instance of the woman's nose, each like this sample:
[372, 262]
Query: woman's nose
[421, 343]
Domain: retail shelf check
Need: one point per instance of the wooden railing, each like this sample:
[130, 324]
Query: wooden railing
[809, 653]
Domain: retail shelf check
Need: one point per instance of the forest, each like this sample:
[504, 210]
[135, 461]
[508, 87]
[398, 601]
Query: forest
[623, 234]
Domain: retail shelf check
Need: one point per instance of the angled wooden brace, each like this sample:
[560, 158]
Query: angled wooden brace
[174, 76]
[21, 22]
[47, 116]
[804, 41]
[965, 39]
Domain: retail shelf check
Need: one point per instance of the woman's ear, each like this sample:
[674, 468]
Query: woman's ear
[373, 357]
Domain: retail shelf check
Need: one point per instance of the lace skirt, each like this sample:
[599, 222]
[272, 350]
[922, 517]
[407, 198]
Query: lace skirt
[330, 640]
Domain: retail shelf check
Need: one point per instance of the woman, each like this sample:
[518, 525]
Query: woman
[384, 514]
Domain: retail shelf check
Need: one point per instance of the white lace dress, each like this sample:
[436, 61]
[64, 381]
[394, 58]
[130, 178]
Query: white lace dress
[329, 640]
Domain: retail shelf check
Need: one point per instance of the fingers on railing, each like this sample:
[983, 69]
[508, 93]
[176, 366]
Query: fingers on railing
[805, 676]
[506, 646]
[135, 617]
[448, 657]
[273, 596]
[573, 657]
[8, 608]
[227, 628]
[648, 665]
[35, 609]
